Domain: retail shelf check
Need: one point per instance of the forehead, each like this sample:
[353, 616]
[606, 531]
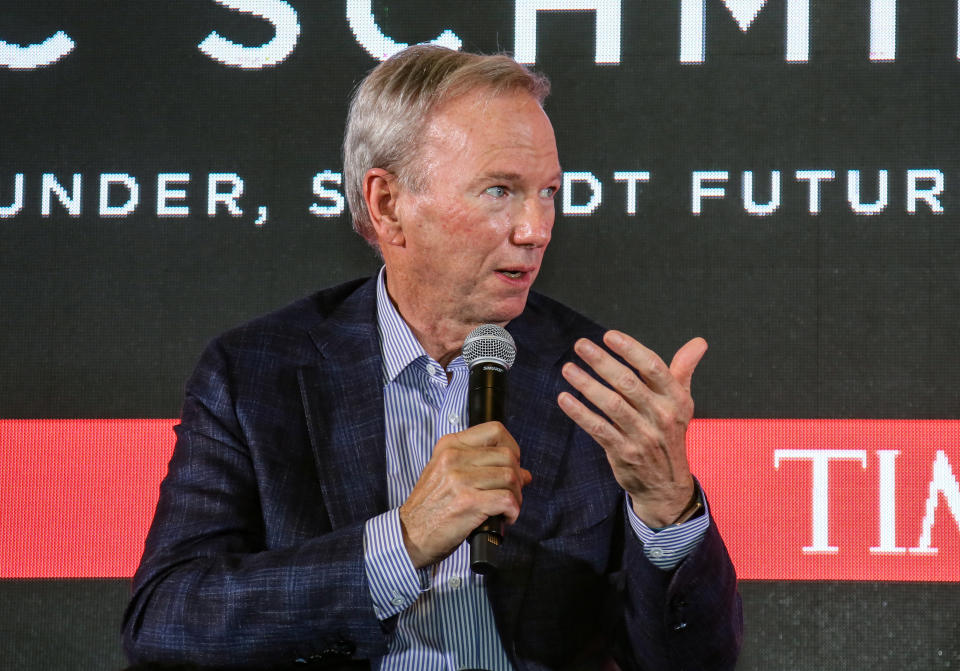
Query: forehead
[483, 124]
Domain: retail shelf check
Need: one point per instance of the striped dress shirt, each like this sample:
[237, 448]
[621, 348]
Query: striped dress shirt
[445, 619]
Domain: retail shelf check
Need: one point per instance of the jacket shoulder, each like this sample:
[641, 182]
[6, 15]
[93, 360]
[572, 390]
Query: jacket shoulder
[289, 328]
[304, 313]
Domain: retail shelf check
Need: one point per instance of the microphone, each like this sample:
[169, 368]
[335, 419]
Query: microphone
[489, 352]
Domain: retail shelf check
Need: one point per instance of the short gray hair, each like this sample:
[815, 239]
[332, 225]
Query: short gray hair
[392, 105]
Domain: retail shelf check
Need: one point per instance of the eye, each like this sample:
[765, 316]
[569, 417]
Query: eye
[549, 192]
[497, 191]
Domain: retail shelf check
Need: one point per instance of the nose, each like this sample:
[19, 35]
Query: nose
[533, 224]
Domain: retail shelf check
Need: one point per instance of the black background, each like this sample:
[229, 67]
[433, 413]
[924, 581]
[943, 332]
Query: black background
[835, 315]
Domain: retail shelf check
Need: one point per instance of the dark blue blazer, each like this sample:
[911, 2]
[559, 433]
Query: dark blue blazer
[255, 556]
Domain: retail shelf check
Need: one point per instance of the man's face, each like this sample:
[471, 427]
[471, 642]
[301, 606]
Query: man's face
[476, 232]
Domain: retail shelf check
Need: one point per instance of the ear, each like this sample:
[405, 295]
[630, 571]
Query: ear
[381, 191]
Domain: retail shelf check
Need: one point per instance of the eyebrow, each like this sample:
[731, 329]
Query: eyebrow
[503, 176]
[509, 176]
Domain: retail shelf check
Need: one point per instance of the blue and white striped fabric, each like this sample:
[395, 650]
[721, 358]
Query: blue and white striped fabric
[666, 547]
[445, 620]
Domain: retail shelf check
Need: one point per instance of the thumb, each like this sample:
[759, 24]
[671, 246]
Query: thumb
[685, 361]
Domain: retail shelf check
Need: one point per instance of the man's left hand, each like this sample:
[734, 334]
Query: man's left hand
[646, 411]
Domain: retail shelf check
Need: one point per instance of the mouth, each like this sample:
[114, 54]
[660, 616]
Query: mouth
[517, 276]
[515, 272]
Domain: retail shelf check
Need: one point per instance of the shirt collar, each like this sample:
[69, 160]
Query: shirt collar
[398, 346]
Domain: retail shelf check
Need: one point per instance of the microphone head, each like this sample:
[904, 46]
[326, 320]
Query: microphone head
[489, 343]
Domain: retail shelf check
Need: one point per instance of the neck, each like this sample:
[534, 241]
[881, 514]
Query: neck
[443, 345]
[440, 336]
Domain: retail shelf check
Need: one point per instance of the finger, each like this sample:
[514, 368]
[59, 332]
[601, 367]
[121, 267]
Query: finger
[685, 361]
[620, 377]
[608, 401]
[599, 428]
[488, 501]
[489, 478]
[478, 468]
[497, 455]
[647, 363]
[488, 434]
[498, 502]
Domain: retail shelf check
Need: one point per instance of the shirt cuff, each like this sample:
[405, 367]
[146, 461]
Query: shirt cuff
[665, 548]
[394, 582]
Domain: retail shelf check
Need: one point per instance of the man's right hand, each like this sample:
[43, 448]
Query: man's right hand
[472, 475]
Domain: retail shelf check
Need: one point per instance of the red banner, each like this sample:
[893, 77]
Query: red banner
[77, 496]
[794, 499]
[834, 499]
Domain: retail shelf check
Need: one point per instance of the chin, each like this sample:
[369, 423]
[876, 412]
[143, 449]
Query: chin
[507, 311]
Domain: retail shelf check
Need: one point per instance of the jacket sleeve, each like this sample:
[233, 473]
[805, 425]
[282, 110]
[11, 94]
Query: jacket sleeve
[689, 618]
[214, 587]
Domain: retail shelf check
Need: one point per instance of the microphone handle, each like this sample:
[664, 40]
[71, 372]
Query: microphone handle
[486, 398]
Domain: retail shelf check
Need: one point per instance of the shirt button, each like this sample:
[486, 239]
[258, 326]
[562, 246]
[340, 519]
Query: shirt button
[454, 418]
[454, 582]
[656, 553]
[396, 600]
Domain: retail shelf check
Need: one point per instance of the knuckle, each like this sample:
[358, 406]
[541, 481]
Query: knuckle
[444, 456]
[500, 456]
[510, 504]
[598, 427]
[662, 416]
[656, 366]
[627, 382]
[619, 406]
[662, 413]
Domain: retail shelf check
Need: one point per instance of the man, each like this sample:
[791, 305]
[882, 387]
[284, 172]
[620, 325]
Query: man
[324, 479]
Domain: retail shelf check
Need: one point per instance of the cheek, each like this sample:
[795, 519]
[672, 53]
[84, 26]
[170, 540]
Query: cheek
[478, 227]
[461, 232]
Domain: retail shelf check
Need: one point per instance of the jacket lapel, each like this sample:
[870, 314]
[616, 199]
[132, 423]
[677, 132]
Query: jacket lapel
[343, 402]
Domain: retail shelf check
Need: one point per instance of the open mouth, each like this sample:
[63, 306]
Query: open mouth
[513, 274]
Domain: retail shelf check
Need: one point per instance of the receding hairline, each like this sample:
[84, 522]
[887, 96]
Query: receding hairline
[432, 134]
[447, 74]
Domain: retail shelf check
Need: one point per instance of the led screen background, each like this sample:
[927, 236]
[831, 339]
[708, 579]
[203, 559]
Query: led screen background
[824, 299]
